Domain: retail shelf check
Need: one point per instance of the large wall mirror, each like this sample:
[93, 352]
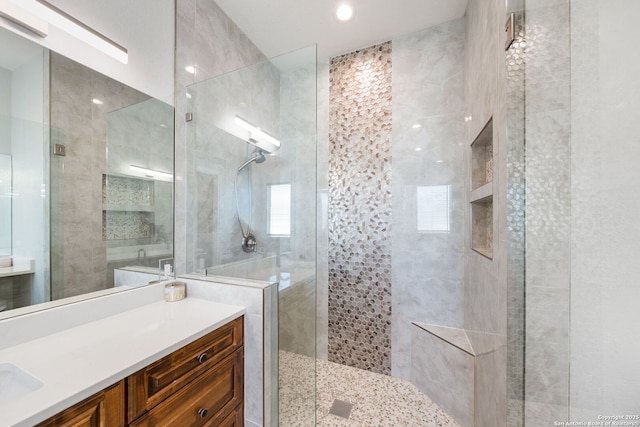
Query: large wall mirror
[86, 163]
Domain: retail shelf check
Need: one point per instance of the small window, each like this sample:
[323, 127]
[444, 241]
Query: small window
[433, 208]
[280, 210]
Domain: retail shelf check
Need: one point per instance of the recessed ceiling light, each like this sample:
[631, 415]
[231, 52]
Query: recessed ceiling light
[97, 101]
[190, 69]
[417, 126]
[344, 13]
[418, 149]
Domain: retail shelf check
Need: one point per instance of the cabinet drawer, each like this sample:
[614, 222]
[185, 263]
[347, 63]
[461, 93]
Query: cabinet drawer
[235, 419]
[212, 399]
[150, 386]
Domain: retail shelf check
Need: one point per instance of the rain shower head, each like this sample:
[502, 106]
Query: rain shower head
[258, 137]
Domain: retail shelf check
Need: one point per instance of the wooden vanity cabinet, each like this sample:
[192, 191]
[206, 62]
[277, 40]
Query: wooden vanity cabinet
[201, 384]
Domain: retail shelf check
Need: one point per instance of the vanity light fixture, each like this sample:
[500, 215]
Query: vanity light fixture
[258, 137]
[24, 19]
[47, 12]
[152, 173]
[344, 13]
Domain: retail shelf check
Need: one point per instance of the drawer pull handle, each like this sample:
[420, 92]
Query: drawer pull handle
[203, 358]
[202, 413]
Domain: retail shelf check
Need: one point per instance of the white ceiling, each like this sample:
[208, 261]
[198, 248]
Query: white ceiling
[282, 26]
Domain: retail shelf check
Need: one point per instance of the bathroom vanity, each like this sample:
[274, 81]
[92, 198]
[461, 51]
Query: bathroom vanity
[200, 384]
[148, 366]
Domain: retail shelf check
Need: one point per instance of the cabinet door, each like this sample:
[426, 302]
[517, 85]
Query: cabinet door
[103, 409]
[207, 401]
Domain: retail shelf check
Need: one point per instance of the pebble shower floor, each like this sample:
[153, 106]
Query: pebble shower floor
[378, 400]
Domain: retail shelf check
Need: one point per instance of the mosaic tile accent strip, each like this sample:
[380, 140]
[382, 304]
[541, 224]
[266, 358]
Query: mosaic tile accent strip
[123, 191]
[549, 257]
[360, 209]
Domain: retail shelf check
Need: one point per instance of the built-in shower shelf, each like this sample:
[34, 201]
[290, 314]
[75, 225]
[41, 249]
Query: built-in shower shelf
[130, 208]
[20, 268]
[481, 196]
[482, 157]
[481, 193]
[486, 252]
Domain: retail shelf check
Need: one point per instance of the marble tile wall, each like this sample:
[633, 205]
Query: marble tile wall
[485, 295]
[360, 209]
[485, 284]
[428, 131]
[78, 251]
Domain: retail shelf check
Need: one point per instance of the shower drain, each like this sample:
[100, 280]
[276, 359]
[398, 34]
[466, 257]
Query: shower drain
[341, 408]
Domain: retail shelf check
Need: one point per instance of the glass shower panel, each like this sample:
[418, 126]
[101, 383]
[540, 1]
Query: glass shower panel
[252, 205]
[578, 315]
[515, 86]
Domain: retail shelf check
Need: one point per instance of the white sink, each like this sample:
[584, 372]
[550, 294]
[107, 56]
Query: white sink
[15, 383]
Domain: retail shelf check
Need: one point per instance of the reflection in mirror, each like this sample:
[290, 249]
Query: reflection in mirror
[24, 274]
[138, 190]
[79, 210]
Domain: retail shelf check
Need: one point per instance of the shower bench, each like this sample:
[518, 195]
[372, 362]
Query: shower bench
[456, 369]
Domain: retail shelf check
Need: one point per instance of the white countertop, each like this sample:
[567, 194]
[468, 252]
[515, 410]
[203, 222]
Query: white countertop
[75, 363]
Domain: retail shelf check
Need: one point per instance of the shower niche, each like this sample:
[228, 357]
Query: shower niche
[481, 197]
